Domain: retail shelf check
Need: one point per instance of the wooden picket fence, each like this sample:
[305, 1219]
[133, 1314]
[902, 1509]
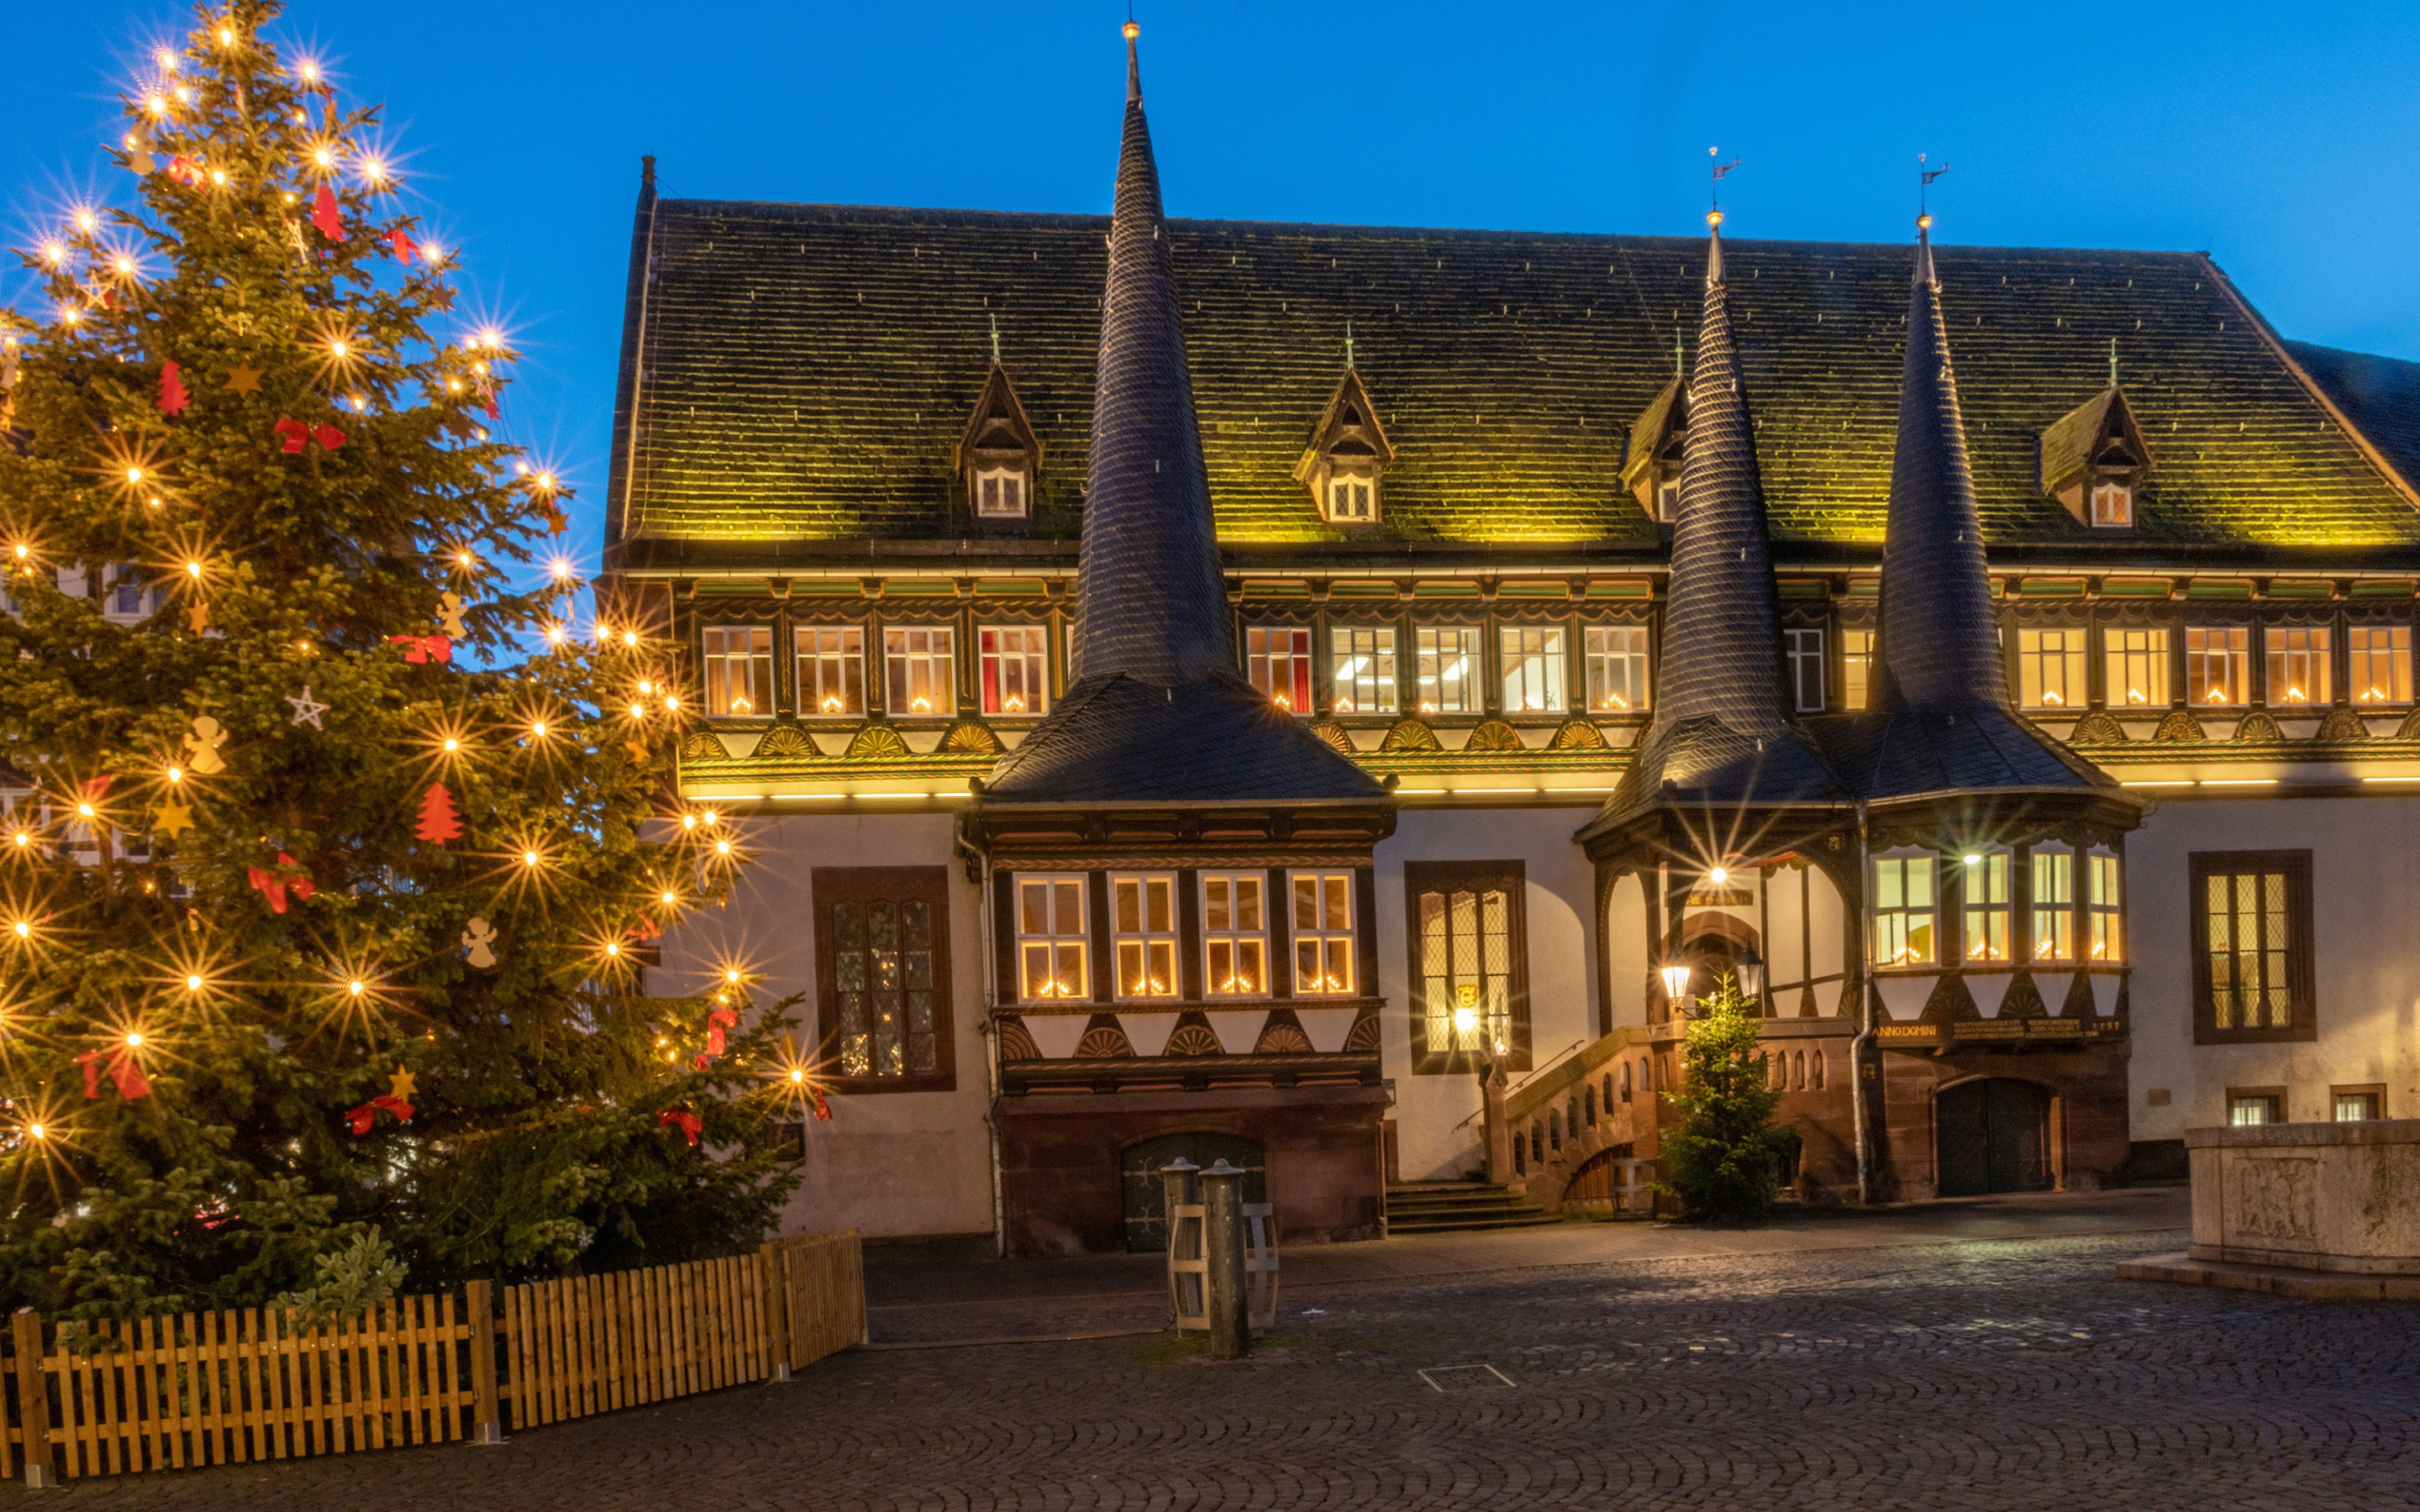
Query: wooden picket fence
[195, 1389]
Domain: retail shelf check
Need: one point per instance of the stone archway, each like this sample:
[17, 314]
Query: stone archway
[1992, 1133]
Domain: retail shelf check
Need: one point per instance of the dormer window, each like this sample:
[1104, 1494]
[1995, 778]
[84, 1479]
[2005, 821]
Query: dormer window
[2093, 459]
[1000, 494]
[998, 454]
[1348, 454]
[1651, 468]
[2113, 505]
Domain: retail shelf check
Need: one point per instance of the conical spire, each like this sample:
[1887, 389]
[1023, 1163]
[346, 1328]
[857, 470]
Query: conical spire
[1153, 601]
[1722, 633]
[1940, 647]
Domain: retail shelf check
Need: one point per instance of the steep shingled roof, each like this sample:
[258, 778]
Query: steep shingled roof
[807, 369]
[2380, 395]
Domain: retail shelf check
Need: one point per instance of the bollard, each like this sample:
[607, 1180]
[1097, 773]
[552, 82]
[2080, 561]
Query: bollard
[479, 1306]
[33, 1398]
[1223, 1197]
[1181, 1183]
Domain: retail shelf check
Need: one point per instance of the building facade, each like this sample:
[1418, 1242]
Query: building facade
[1247, 689]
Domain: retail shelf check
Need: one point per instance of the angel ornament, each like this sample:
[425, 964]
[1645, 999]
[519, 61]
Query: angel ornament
[479, 938]
[202, 745]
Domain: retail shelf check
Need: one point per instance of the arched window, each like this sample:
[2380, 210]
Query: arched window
[1817, 1073]
[1625, 1081]
[1537, 1140]
[1588, 1105]
[1777, 1070]
[1798, 1071]
[1520, 1155]
[1608, 1094]
[1554, 1131]
[1572, 1116]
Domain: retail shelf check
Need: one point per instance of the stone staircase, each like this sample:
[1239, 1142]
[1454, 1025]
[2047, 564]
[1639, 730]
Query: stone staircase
[1457, 1206]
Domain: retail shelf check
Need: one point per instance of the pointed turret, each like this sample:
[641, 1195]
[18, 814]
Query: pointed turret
[1940, 644]
[1153, 600]
[1722, 631]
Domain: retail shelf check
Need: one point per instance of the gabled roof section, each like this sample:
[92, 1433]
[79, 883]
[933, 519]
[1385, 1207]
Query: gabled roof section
[1651, 432]
[806, 368]
[2379, 394]
[1939, 644]
[998, 424]
[2078, 441]
[1347, 429]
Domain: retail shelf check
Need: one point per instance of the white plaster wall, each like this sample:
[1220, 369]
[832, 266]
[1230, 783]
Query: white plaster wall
[2366, 907]
[1432, 1139]
[890, 1163]
[1625, 946]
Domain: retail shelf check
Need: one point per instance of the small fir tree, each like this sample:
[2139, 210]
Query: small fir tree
[1724, 1161]
[329, 850]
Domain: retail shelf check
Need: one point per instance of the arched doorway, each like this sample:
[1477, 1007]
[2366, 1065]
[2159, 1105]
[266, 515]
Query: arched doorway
[1147, 1198]
[1994, 1136]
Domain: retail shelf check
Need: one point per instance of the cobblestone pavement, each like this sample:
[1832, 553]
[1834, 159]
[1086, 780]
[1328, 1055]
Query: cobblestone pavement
[1980, 1374]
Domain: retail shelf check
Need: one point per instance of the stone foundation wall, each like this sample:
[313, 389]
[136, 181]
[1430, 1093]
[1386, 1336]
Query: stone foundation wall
[2321, 1197]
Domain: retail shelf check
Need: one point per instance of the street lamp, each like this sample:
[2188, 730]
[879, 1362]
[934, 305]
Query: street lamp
[1751, 977]
[1676, 984]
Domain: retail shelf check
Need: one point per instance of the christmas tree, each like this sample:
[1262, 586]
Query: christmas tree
[331, 845]
[1725, 1159]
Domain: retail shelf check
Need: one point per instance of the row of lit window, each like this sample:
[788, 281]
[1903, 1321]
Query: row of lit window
[1055, 944]
[919, 670]
[1908, 904]
[2299, 660]
[1449, 668]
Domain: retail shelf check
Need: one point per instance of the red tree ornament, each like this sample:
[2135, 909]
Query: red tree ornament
[419, 650]
[173, 397]
[324, 214]
[367, 1114]
[438, 821]
[682, 1118]
[298, 435]
[405, 248]
[185, 171]
[716, 1023]
[129, 1076]
[274, 887]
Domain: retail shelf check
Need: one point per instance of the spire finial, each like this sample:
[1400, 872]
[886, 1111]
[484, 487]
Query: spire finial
[1348, 346]
[1924, 250]
[1676, 352]
[1714, 189]
[995, 341]
[1924, 177]
[1133, 69]
[2113, 362]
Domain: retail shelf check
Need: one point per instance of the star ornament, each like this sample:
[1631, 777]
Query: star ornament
[401, 1085]
[307, 709]
[172, 819]
[243, 380]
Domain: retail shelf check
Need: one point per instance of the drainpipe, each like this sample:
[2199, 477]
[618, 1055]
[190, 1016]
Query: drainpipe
[990, 978]
[1865, 1037]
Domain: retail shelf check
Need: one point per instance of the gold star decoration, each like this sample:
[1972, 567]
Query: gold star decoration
[197, 616]
[243, 380]
[401, 1085]
[172, 819]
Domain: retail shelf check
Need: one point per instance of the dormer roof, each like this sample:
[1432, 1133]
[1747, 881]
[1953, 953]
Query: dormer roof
[1348, 431]
[998, 427]
[2097, 434]
[1651, 432]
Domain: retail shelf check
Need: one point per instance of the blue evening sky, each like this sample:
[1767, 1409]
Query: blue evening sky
[2281, 138]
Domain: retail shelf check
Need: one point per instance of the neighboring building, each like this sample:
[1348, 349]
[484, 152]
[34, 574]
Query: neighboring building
[1227, 724]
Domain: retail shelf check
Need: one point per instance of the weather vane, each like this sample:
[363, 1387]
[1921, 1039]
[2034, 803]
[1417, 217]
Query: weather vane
[1924, 177]
[1715, 193]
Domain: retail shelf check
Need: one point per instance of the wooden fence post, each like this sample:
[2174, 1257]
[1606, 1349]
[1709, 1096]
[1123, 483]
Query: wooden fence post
[33, 1397]
[487, 1410]
[769, 1273]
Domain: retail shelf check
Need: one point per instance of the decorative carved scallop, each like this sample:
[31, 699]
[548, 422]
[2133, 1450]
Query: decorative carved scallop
[1494, 735]
[2098, 728]
[1411, 734]
[704, 746]
[2343, 725]
[2178, 726]
[1016, 1043]
[1329, 731]
[1364, 1038]
[2257, 729]
[1193, 1039]
[876, 742]
[1283, 1038]
[788, 743]
[968, 738]
[2410, 728]
[1577, 735]
[1105, 1041]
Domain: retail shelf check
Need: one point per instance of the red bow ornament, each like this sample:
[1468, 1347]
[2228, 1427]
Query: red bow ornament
[185, 171]
[716, 1022]
[297, 434]
[420, 650]
[363, 1117]
[683, 1120]
[405, 248]
[323, 209]
[129, 1076]
[274, 887]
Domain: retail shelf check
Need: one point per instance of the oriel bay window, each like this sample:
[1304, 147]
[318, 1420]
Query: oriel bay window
[919, 664]
[2050, 669]
[739, 666]
[1364, 659]
[2053, 903]
[2218, 665]
[1904, 910]
[1323, 933]
[2137, 668]
[2252, 946]
[1447, 668]
[1986, 904]
[1142, 923]
[1050, 945]
[1014, 666]
[1802, 651]
[2298, 665]
[2382, 663]
[831, 669]
[1857, 666]
[1617, 667]
[882, 967]
[1278, 660]
[1469, 964]
[1533, 667]
[1235, 935]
